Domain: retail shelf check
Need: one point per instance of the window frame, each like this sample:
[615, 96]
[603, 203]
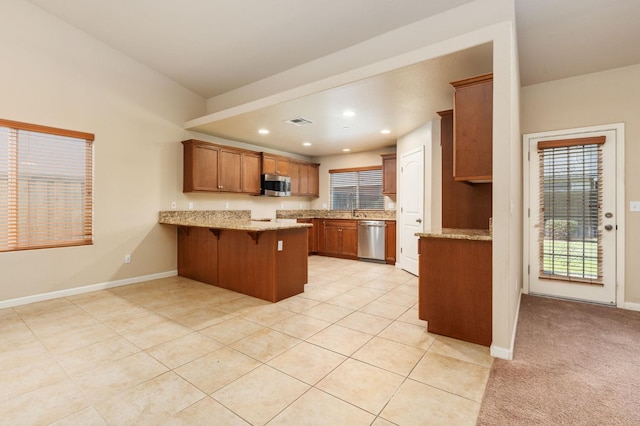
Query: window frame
[355, 170]
[11, 241]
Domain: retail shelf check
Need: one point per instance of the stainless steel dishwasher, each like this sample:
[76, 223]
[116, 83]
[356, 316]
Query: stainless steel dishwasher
[371, 239]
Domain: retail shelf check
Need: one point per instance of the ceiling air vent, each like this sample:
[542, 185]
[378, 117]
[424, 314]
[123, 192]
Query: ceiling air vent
[299, 121]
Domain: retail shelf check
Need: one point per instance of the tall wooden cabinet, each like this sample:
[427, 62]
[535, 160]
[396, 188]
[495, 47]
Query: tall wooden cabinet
[463, 206]
[473, 129]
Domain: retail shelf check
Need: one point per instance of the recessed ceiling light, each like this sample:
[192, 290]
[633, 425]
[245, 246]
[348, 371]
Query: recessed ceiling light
[349, 113]
[346, 150]
[385, 131]
[263, 131]
[306, 143]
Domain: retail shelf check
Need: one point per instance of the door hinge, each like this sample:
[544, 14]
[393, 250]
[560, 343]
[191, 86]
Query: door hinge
[528, 212]
[529, 156]
[528, 269]
[401, 209]
[400, 249]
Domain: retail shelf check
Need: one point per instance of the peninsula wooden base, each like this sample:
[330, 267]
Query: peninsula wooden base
[247, 262]
[455, 289]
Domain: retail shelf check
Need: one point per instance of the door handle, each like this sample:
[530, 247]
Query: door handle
[608, 227]
[419, 220]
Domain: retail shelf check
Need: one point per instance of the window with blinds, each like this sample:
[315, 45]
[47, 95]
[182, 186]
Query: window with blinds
[570, 198]
[46, 187]
[359, 188]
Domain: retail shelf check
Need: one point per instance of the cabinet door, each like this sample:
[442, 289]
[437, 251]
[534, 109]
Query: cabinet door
[269, 164]
[282, 166]
[318, 225]
[332, 237]
[251, 173]
[303, 175]
[294, 173]
[229, 170]
[200, 168]
[350, 239]
[472, 129]
[314, 180]
[389, 174]
[390, 242]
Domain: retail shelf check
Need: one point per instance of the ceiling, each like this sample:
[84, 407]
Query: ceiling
[214, 46]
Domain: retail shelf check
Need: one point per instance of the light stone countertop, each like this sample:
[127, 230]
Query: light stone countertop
[458, 234]
[237, 220]
[337, 214]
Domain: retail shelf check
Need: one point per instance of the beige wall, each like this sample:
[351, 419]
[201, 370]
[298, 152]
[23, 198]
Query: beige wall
[601, 98]
[55, 75]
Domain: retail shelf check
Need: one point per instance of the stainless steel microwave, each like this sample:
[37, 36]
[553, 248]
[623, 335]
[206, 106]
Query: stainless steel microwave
[275, 185]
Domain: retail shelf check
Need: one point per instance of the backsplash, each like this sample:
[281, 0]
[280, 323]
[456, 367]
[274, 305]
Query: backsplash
[336, 214]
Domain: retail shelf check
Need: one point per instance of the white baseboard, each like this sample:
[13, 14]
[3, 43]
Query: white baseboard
[632, 306]
[507, 353]
[85, 289]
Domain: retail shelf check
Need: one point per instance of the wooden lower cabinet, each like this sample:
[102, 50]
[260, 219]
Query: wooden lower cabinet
[244, 261]
[390, 242]
[455, 288]
[341, 238]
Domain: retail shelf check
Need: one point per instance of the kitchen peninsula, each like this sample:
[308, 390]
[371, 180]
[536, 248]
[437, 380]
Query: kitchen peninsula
[227, 249]
[455, 286]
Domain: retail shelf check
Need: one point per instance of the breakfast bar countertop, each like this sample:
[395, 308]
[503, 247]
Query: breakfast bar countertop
[236, 220]
[458, 234]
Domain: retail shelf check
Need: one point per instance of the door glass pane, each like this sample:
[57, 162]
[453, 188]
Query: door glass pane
[570, 198]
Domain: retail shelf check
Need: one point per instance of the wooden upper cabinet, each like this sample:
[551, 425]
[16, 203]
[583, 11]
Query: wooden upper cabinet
[209, 167]
[200, 166]
[388, 174]
[217, 168]
[251, 173]
[275, 164]
[473, 128]
[304, 178]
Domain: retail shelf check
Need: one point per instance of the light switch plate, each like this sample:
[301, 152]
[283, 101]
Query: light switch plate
[190, 205]
[634, 206]
[280, 245]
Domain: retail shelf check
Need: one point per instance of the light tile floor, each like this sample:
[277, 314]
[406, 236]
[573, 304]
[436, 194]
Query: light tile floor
[349, 351]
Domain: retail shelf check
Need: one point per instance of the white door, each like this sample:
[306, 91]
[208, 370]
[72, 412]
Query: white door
[412, 206]
[573, 217]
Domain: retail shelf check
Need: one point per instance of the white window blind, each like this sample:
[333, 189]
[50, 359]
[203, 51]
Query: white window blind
[356, 188]
[46, 187]
[570, 198]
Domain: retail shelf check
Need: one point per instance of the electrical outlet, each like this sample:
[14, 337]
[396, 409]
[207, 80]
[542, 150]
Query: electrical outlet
[190, 205]
[173, 205]
[226, 206]
[280, 245]
[634, 206]
[127, 258]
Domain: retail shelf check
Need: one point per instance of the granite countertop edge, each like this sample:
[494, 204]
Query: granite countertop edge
[237, 225]
[458, 234]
